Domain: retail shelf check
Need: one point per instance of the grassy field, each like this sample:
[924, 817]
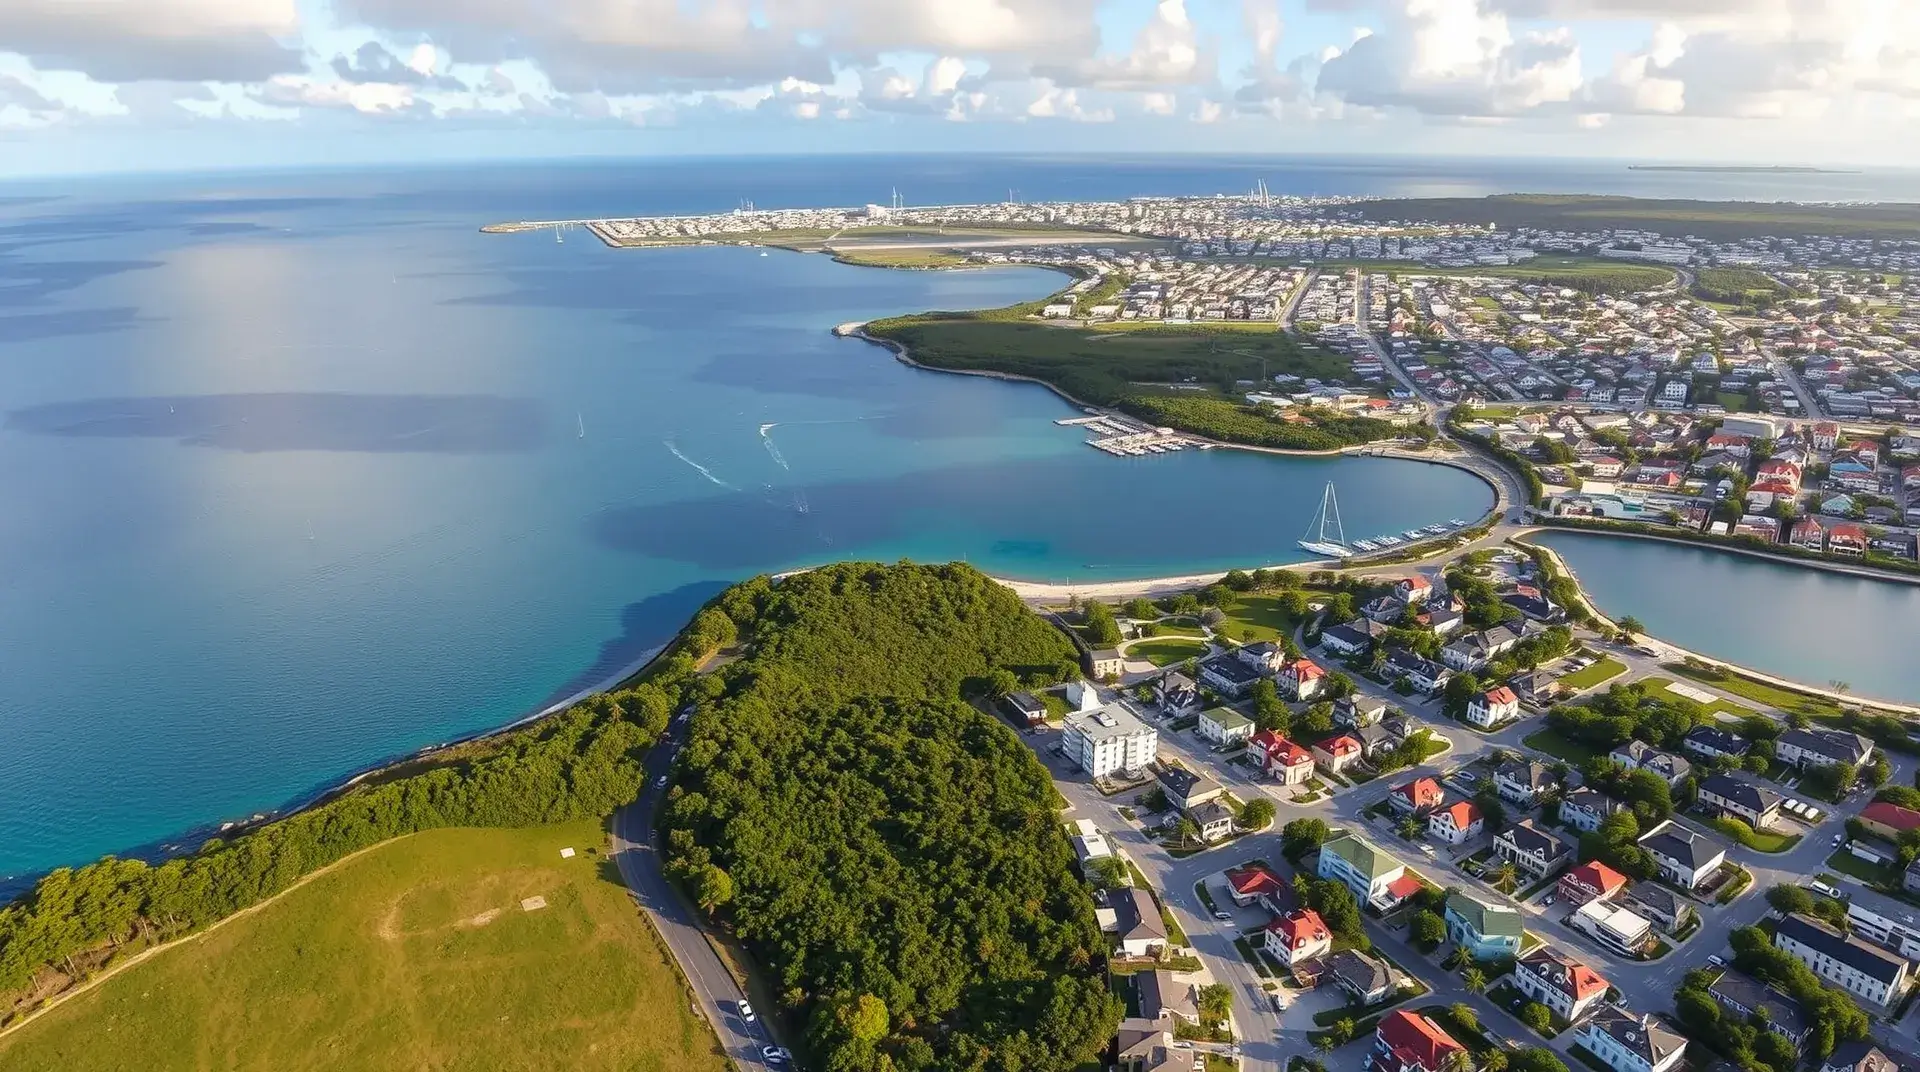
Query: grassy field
[1600, 671]
[1553, 744]
[1165, 651]
[1719, 705]
[1847, 864]
[415, 955]
[1253, 616]
[1714, 220]
[1758, 691]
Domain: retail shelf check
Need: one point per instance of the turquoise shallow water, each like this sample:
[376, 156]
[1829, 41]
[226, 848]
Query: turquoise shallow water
[306, 478]
[1798, 623]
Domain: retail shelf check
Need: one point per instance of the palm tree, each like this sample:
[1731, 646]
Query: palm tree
[1630, 626]
[1474, 980]
[1505, 877]
[1457, 1061]
[1840, 686]
[1186, 830]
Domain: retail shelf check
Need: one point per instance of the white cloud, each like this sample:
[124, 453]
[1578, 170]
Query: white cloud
[1158, 103]
[367, 98]
[180, 40]
[1454, 58]
[1166, 52]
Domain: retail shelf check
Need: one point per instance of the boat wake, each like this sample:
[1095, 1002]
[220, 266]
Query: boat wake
[701, 469]
[766, 440]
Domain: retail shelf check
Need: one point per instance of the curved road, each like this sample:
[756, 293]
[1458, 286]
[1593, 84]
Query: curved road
[637, 855]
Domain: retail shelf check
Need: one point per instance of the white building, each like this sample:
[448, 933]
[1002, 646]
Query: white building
[1109, 739]
[1563, 984]
[1492, 707]
[1614, 928]
[1860, 969]
[1631, 1042]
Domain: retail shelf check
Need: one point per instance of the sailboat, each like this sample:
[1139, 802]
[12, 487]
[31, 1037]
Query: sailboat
[582, 418]
[1316, 538]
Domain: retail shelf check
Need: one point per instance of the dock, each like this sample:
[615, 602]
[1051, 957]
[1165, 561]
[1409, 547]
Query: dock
[1124, 437]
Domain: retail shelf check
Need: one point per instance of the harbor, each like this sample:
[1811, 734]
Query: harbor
[1326, 536]
[1128, 438]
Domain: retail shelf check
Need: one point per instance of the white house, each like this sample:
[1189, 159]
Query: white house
[1300, 935]
[1685, 857]
[1455, 823]
[1533, 850]
[1224, 726]
[1566, 986]
[1367, 871]
[1492, 707]
[1822, 748]
[1628, 1041]
[1303, 679]
[1852, 965]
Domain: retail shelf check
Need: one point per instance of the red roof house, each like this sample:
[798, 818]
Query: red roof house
[1591, 881]
[1298, 935]
[1409, 1042]
[1889, 820]
[1250, 884]
[1419, 795]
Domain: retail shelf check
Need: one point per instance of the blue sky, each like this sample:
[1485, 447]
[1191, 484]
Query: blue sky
[98, 85]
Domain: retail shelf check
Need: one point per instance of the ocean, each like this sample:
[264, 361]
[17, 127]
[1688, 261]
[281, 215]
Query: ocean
[305, 473]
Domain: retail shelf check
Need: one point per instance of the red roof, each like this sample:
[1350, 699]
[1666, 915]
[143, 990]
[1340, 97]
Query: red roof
[1284, 753]
[1595, 875]
[1415, 1041]
[1416, 583]
[1891, 815]
[1404, 887]
[1501, 695]
[1265, 740]
[1254, 881]
[1345, 744]
[1586, 982]
[1301, 928]
[1421, 792]
[1305, 668]
[1464, 814]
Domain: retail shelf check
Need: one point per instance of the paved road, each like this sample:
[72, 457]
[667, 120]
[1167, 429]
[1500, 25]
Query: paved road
[637, 855]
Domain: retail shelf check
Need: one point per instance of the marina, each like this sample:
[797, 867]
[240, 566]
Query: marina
[1128, 438]
[1335, 545]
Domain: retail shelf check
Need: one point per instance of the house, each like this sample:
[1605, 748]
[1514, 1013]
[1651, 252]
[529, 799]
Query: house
[1357, 711]
[1485, 931]
[1533, 850]
[1367, 871]
[1865, 971]
[1339, 752]
[1442, 620]
[1410, 1042]
[1585, 809]
[1164, 998]
[1428, 677]
[1256, 884]
[1522, 781]
[1666, 909]
[1214, 819]
[1176, 694]
[1298, 936]
[1639, 755]
[1807, 534]
[1492, 707]
[1591, 881]
[1224, 726]
[1744, 995]
[1367, 979]
[1755, 805]
[1228, 676]
[1413, 591]
[1536, 687]
[1139, 930]
[1384, 609]
[1109, 739]
[1456, 823]
[1472, 653]
[1685, 857]
[1535, 607]
[1303, 679]
[1282, 760]
[1614, 927]
[1631, 1042]
[1889, 821]
[1186, 790]
[1352, 639]
[1104, 663]
[1417, 797]
[1142, 1045]
[1883, 921]
[1862, 1057]
[1822, 748]
[1025, 708]
[1566, 986]
[1709, 742]
[1263, 657]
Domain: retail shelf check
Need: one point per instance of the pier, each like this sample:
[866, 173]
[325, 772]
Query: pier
[1127, 438]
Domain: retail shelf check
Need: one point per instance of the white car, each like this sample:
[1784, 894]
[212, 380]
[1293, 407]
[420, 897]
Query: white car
[1839, 838]
[1224, 917]
[775, 1055]
[660, 782]
[745, 1010]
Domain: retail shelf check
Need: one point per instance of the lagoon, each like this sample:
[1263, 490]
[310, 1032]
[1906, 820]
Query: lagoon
[307, 473]
[1808, 625]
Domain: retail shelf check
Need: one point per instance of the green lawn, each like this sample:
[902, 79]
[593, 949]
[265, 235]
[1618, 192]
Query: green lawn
[1165, 651]
[1257, 616]
[1173, 628]
[1757, 840]
[1553, 744]
[416, 954]
[1605, 669]
[1848, 864]
[1758, 691]
[1719, 705]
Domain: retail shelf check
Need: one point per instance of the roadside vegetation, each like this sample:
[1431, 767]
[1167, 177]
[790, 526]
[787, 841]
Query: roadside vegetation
[415, 954]
[889, 854]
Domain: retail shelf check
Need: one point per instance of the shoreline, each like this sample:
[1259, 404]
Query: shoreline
[1861, 572]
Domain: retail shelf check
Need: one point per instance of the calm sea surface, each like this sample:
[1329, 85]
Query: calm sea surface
[1803, 624]
[304, 472]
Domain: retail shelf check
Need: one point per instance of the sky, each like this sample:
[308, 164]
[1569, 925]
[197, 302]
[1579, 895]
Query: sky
[134, 85]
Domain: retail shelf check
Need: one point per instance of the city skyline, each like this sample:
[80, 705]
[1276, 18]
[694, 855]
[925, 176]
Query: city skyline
[186, 84]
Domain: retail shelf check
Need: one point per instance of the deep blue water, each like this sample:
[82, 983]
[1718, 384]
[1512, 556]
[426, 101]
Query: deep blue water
[297, 478]
[1794, 622]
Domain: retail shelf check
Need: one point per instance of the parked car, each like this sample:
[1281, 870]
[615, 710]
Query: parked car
[1714, 959]
[1548, 902]
[775, 1054]
[1224, 917]
[745, 1010]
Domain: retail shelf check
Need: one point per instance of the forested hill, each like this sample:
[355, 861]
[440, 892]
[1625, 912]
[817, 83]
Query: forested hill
[891, 854]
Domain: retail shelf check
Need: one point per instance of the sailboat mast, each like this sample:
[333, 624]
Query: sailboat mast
[1333, 508]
